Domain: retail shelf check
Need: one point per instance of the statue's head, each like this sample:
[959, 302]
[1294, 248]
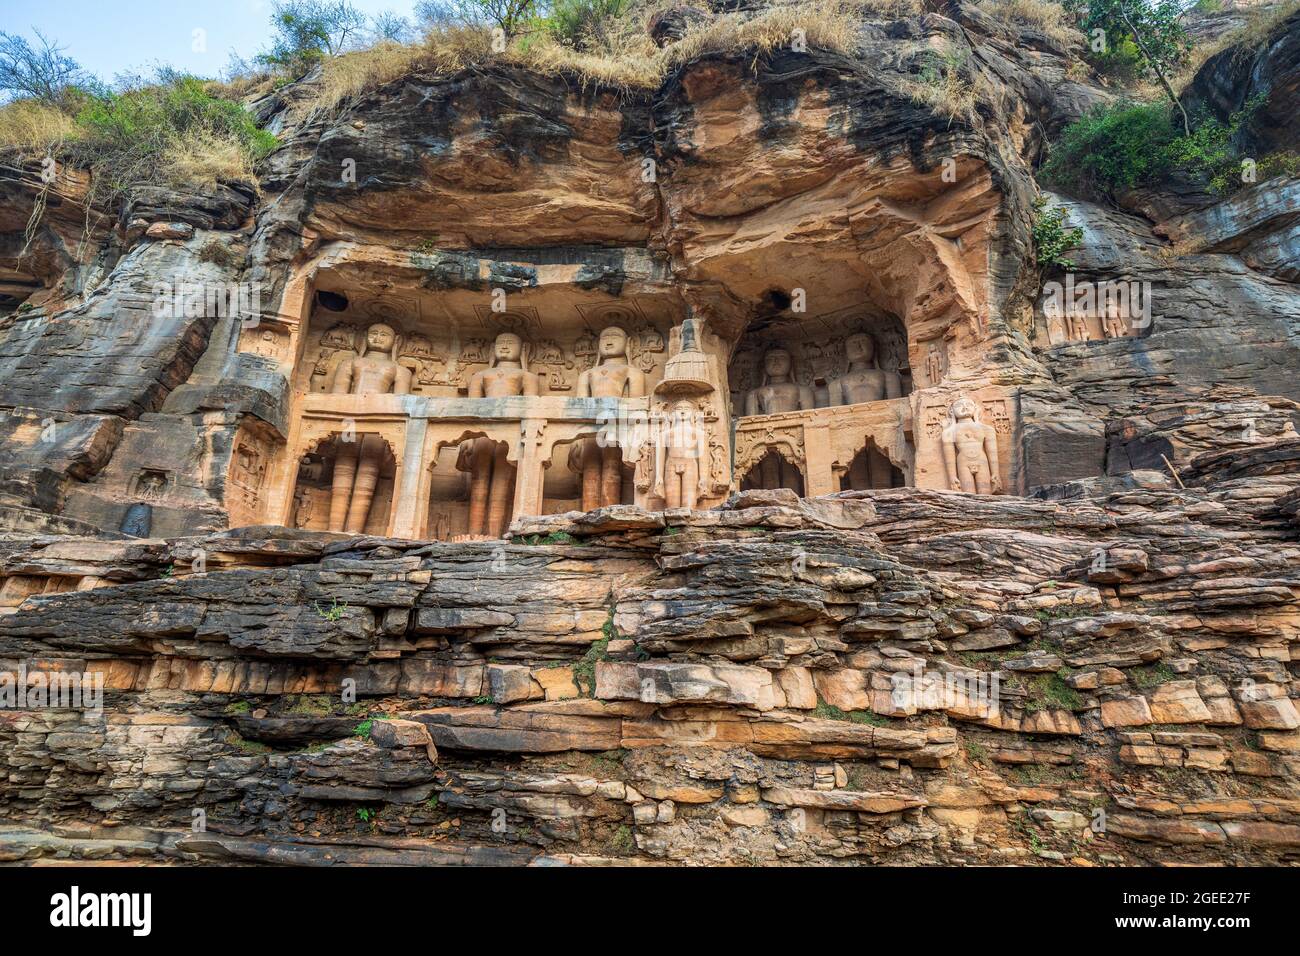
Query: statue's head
[613, 342]
[507, 348]
[776, 365]
[380, 338]
[860, 347]
[962, 409]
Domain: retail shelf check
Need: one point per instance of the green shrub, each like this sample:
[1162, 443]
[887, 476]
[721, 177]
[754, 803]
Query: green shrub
[1111, 149]
[1121, 61]
[576, 22]
[1051, 238]
[1116, 148]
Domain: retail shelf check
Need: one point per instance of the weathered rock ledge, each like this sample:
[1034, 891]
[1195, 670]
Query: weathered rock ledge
[722, 686]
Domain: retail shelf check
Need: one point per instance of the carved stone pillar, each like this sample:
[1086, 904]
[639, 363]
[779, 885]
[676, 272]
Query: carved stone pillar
[819, 477]
[529, 468]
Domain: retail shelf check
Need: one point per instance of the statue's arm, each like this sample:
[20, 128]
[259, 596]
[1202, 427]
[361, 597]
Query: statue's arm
[342, 378]
[950, 459]
[402, 381]
[893, 385]
[991, 452]
[584, 385]
[475, 389]
[529, 384]
[751, 403]
[806, 399]
[635, 383]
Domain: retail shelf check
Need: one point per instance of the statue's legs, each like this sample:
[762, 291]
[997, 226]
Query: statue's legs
[673, 483]
[479, 481]
[345, 471]
[501, 492]
[611, 476]
[370, 454]
[591, 474]
[983, 481]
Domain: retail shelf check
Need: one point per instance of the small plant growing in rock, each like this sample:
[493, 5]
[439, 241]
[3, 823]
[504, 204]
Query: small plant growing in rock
[484, 699]
[332, 613]
[365, 814]
[362, 729]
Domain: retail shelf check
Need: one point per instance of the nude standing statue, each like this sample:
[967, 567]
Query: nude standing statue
[492, 477]
[372, 371]
[1113, 324]
[612, 377]
[682, 457]
[864, 381]
[1077, 325]
[970, 450]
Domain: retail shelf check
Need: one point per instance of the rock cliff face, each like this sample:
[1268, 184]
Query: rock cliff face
[1093, 667]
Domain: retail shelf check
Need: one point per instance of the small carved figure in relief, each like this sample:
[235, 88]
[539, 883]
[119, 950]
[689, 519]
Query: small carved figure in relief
[372, 371]
[268, 344]
[934, 363]
[682, 457]
[970, 450]
[779, 392]
[611, 377]
[865, 381]
[151, 485]
[1113, 325]
[1076, 323]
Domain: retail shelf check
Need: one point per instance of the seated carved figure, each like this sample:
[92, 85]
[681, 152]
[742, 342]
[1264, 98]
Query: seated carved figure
[492, 477]
[779, 392]
[864, 381]
[970, 450]
[372, 371]
[611, 377]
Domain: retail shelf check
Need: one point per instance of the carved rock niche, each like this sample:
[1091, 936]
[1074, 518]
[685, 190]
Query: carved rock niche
[345, 482]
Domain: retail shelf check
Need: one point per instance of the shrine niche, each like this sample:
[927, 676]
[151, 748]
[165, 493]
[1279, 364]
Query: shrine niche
[788, 363]
[871, 468]
[440, 409]
[969, 440]
[1093, 312]
[251, 460]
[821, 404]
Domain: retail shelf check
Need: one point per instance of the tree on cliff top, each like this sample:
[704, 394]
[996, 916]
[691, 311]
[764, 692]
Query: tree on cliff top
[510, 15]
[40, 72]
[307, 31]
[1153, 26]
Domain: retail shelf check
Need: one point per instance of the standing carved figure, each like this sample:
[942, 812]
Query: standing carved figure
[611, 377]
[492, 477]
[682, 457]
[934, 363]
[970, 450]
[372, 371]
[1077, 325]
[1113, 324]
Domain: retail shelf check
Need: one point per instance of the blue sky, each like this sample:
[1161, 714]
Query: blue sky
[109, 37]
